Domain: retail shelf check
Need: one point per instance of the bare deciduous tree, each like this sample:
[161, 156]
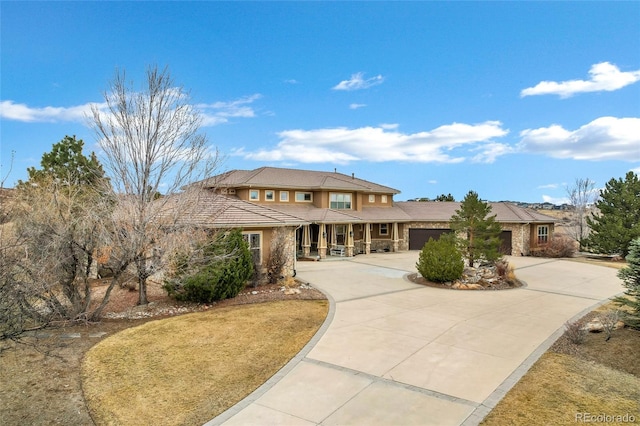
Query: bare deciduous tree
[47, 251]
[582, 194]
[151, 144]
[54, 224]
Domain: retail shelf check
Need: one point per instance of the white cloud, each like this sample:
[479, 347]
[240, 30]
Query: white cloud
[389, 126]
[10, 110]
[385, 143]
[636, 170]
[432, 182]
[555, 200]
[292, 81]
[358, 82]
[604, 77]
[548, 186]
[605, 138]
[357, 106]
[220, 112]
[212, 114]
[490, 151]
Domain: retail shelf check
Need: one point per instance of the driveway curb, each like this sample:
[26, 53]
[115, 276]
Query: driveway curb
[266, 386]
[482, 410]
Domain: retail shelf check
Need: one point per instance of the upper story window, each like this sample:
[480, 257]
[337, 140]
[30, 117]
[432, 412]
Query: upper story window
[372, 198]
[305, 197]
[543, 234]
[340, 201]
[270, 195]
[254, 195]
[383, 198]
[284, 195]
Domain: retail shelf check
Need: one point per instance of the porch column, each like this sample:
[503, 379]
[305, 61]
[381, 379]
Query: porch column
[349, 246]
[322, 241]
[306, 240]
[367, 238]
[394, 236]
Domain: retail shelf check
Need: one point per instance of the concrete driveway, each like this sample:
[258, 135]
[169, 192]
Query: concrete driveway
[393, 352]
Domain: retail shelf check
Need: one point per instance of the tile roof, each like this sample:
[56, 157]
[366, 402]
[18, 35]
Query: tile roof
[368, 214]
[212, 210]
[442, 212]
[274, 177]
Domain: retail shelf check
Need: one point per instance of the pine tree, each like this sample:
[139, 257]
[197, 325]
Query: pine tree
[482, 232]
[67, 165]
[617, 222]
[630, 275]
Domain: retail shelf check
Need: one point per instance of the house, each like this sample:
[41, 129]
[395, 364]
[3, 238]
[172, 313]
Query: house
[324, 214]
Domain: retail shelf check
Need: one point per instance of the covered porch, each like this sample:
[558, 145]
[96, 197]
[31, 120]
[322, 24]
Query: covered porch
[323, 240]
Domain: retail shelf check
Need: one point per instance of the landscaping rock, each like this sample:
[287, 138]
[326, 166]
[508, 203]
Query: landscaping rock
[594, 326]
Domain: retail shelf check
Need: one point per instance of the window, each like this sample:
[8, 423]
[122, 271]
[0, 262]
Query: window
[340, 201]
[304, 197]
[384, 229]
[383, 198]
[372, 198]
[284, 195]
[254, 195]
[255, 245]
[269, 195]
[543, 234]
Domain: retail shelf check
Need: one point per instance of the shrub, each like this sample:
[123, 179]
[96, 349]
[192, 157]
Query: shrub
[441, 260]
[278, 257]
[560, 246]
[502, 267]
[575, 333]
[506, 271]
[219, 271]
[609, 322]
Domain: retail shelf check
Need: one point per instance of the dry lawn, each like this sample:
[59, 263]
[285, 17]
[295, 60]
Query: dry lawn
[188, 369]
[560, 386]
[600, 262]
[597, 377]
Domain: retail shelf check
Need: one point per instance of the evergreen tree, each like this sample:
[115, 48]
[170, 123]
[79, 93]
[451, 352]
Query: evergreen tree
[219, 270]
[482, 232]
[443, 197]
[630, 275]
[67, 165]
[617, 222]
[440, 260]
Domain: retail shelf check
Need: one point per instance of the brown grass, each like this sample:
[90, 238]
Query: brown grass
[559, 386]
[600, 262]
[597, 377]
[188, 369]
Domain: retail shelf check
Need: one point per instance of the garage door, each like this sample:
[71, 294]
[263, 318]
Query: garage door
[505, 242]
[418, 237]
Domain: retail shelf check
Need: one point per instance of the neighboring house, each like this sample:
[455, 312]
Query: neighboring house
[329, 213]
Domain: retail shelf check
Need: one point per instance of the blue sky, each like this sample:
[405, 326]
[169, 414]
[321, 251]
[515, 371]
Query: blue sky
[513, 100]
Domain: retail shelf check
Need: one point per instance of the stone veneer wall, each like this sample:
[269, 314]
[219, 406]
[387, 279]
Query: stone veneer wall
[519, 238]
[289, 235]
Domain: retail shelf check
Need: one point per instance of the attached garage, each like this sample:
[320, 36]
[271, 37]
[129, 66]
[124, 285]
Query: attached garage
[418, 237]
[505, 243]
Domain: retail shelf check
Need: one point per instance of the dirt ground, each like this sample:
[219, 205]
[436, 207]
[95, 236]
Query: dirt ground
[40, 378]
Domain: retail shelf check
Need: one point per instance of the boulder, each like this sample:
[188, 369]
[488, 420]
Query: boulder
[594, 326]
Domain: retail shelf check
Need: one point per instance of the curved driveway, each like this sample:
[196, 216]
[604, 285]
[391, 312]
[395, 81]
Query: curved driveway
[393, 352]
